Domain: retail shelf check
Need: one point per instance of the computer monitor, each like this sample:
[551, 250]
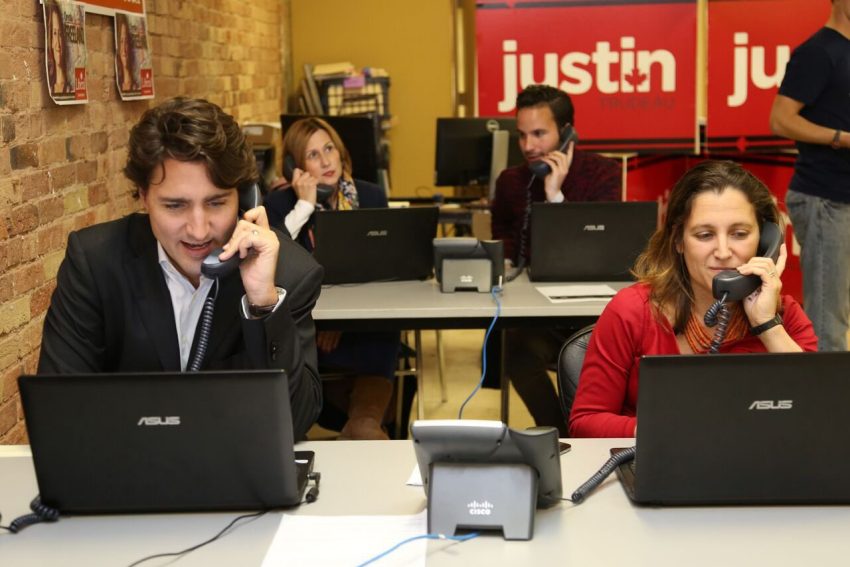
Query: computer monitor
[464, 152]
[360, 134]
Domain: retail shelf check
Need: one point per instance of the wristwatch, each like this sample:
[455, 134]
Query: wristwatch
[836, 140]
[252, 311]
[260, 310]
[759, 329]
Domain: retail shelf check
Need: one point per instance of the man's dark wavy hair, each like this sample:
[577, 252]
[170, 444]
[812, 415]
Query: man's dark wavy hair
[557, 100]
[192, 130]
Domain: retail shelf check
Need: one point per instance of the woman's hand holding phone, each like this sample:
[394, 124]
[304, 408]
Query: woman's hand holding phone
[304, 185]
[760, 306]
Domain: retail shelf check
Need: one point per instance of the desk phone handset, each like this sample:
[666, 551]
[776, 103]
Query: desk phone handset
[212, 267]
[323, 190]
[540, 168]
[736, 286]
[731, 285]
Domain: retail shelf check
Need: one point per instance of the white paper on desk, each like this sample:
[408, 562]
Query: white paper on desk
[577, 292]
[415, 478]
[347, 540]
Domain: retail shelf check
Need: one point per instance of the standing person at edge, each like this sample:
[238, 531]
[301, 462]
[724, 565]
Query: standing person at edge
[130, 292]
[812, 107]
[542, 114]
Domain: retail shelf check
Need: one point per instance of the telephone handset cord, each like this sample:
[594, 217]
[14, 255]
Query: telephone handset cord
[615, 461]
[204, 329]
[40, 513]
[718, 314]
[523, 234]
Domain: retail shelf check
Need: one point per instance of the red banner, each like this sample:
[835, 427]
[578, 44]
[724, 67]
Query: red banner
[628, 65]
[749, 44]
[109, 7]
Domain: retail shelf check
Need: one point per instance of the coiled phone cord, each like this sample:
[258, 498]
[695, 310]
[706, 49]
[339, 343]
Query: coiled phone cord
[523, 234]
[40, 513]
[205, 328]
[615, 461]
[718, 314]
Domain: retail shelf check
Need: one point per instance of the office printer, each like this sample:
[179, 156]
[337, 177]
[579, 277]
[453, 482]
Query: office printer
[468, 264]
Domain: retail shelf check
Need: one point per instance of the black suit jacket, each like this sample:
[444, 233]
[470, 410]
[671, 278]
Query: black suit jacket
[279, 203]
[112, 312]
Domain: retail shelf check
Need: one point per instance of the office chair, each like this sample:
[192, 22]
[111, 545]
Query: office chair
[570, 361]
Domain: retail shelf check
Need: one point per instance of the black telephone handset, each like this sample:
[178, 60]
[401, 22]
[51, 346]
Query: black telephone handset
[323, 190]
[540, 168]
[737, 286]
[212, 267]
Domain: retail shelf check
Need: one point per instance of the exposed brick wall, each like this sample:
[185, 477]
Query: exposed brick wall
[60, 167]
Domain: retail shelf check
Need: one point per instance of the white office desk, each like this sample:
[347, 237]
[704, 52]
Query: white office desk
[368, 477]
[420, 305]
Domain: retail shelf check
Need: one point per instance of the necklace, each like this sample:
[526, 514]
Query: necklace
[700, 340]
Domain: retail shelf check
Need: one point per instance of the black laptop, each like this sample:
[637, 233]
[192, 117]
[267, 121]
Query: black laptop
[369, 245]
[575, 242]
[742, 429]
[164, 442]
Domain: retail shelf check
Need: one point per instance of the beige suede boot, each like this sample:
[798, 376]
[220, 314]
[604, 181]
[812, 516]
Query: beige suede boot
[369, 400]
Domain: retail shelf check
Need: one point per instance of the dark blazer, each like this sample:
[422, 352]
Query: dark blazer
[112, 312]
[280, 203]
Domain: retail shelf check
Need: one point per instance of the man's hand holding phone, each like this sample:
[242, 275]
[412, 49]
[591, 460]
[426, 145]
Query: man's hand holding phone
[554, 166]
[258, 247]
[559, 164]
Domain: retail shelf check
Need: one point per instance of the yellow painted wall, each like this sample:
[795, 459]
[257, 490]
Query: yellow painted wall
[413, 41]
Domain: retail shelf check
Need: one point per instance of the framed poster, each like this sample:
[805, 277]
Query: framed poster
[133, 67]
[65, 51]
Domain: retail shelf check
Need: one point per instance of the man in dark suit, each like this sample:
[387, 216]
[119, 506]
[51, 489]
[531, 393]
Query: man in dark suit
[130, 294]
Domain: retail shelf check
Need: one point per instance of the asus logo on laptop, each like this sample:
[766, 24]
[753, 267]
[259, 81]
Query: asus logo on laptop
[156, 420]
[594, 228]
[383, 232]
[771, 405]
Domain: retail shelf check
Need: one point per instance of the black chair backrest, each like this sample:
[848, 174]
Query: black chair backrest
[570, 361]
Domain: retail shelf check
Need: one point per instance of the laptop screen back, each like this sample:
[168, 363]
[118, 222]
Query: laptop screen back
[589, 241]
[162, 442]
[751, 428]
[368, 245]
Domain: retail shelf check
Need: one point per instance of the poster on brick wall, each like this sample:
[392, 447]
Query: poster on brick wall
[628, 65]
[65, 51]
[749, 44]
[133, 68]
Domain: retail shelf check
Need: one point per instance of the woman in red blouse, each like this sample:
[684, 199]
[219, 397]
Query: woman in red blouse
[713, 219]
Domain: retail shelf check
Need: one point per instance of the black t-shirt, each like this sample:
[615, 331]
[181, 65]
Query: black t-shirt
[818, 75]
